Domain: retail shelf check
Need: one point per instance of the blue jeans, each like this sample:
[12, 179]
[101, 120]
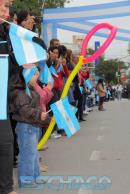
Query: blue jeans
[28, 160]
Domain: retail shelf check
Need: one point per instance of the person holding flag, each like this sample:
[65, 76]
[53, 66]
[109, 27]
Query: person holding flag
[6, 136]
[30, 119]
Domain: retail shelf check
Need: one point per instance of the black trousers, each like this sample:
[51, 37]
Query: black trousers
[6, 157]
[79, 113]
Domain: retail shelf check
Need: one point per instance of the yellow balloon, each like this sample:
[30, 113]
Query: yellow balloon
[82, 60]
[64, 94]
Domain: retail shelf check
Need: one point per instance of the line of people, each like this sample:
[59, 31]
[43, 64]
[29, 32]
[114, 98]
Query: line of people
[30, 99]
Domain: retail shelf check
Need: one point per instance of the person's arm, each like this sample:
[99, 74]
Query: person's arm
[23, 105]
[44, 93]
[65, 70]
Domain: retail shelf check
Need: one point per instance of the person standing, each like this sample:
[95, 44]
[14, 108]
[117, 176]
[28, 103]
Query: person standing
[6, 136]
[101, 93]
[119, 91]
[128, 90]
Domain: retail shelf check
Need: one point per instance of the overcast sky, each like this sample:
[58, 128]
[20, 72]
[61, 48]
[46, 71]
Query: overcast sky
[118, 49]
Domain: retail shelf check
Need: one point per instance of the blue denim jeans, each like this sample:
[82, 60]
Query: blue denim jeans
[28, 159]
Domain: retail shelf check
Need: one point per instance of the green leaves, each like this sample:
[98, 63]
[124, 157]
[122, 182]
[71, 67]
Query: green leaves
[35, 6]
[108, 69]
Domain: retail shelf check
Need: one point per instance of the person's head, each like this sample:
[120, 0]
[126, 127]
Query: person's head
[22, 18]
[25, 20]
[75, 59]
[100, 81]
[54, 42]
[4, 9]
[62, 51]
[53, 53]
[30, 76]
[69, 54]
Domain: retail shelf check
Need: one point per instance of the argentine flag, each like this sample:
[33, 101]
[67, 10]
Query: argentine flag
[25, 50]
[45, 74]
[65, 117]
[88, 84]
[3, 86]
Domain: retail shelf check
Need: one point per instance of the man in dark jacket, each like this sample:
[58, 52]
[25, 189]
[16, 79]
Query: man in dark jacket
[6, 137]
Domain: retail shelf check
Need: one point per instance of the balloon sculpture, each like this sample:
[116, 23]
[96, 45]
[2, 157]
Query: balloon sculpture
[82, 61]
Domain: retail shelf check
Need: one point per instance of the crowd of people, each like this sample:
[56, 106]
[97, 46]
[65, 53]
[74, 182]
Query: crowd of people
[29, 100]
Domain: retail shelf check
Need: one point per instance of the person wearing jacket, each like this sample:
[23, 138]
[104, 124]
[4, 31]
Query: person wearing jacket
[101, 93]
[78, 96]
[128, 89]
[6, 136]
[30, 119]
[59, 71]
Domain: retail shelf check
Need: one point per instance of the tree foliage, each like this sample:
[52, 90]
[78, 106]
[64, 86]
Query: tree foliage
[36, 6]
[108, 69]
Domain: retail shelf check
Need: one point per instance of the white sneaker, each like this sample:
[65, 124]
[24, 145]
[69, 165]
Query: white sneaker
[55, 135]
[85, 112]
[90, 109]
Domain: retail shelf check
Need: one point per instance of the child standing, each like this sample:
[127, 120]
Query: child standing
[30, 117]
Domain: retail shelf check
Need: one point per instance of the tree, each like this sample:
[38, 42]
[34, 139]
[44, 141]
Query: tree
[108, 69]
[36, 6]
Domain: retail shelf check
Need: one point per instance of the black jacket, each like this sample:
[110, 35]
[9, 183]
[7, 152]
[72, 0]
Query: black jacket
[5, 128]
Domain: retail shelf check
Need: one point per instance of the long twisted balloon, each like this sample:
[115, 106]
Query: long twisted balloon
[82, 61]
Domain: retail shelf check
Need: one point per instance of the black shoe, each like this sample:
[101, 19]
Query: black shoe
[80, 120]
[61, 132]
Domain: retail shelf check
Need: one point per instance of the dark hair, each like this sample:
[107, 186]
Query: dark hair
[52, 41]
[21, 16]
[62, 50]
[100, 81]
[12, 13]
[52, 48]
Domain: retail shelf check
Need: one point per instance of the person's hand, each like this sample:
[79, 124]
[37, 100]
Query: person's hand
[43, 116]
[49, 86]
[32, 82]
[64, 62]
[28, 66]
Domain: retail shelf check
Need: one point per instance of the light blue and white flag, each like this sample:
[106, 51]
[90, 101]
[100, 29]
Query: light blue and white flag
[88, 83]
[65, 117]
[25, 50]
[54, 71]
[3, 86]
[28, 74]
[45, 74]
[74, 109]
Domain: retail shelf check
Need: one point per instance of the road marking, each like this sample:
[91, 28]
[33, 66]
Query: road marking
[81, 191]
[95, 155]
[100, 137]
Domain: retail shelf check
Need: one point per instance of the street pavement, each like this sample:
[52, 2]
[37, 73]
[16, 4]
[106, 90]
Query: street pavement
[101, 148]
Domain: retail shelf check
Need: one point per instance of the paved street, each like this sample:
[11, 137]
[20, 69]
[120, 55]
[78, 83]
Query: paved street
[101, 148]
